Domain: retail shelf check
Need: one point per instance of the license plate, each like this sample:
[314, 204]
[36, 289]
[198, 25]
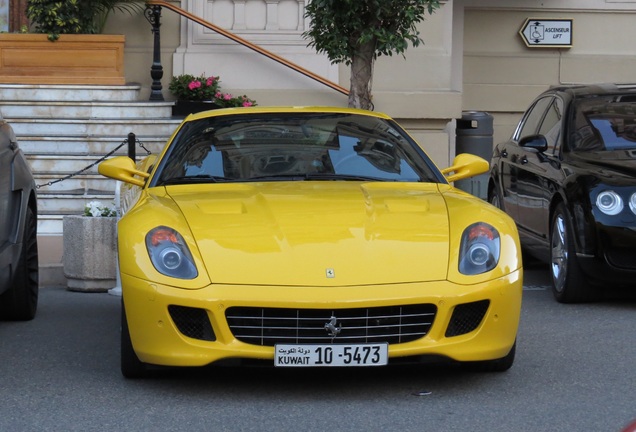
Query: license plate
[293, 355]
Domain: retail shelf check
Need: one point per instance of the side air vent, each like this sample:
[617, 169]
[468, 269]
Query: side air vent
[467, 317]
[192, 322]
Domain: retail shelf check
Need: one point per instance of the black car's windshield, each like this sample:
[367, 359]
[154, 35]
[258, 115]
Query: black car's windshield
[604, 124]
[293, 146]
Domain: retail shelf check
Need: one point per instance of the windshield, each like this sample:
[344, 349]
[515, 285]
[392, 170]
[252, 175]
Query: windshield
[293, 146]
[605, 124]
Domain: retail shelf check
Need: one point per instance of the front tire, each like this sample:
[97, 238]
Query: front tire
[20, 301]
[131, 366]
[568, 282]
[497, 365]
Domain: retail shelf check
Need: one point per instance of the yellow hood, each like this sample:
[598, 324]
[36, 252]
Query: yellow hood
[317, 233]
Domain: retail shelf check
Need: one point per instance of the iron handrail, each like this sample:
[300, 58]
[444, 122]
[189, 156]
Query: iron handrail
[247, 44]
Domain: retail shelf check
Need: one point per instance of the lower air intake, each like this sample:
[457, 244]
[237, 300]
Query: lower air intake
[467, 317]
[192, 322]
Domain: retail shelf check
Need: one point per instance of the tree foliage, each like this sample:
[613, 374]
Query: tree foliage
[356, 32]
[57, 17]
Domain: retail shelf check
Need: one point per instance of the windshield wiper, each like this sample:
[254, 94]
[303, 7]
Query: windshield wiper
[347, 177]
[199, 178]
[315, 176]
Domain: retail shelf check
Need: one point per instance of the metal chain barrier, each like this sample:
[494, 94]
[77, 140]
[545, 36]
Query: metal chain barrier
[126, 141]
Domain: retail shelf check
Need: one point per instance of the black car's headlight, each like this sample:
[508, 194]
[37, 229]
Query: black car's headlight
[169, 253]
[632, 203]
[610, 202]
[479, 250]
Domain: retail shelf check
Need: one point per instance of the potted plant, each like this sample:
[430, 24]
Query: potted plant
[195, 94]
[55, 17]
[65, 46]
[90, 249]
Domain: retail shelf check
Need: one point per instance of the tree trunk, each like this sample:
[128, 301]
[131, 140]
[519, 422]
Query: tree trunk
[361, 75]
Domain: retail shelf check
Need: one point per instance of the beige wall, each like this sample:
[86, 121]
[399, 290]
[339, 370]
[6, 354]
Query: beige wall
[502, 75]
[139, 46]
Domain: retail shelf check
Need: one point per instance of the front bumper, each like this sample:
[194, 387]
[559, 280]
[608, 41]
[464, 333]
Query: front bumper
[158, 339]
[614, 260]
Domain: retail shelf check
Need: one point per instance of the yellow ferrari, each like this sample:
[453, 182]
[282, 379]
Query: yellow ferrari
[310, 237]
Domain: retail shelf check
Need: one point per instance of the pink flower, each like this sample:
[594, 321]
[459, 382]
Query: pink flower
[194, 85]
[227, 96]
[210, 81]
[218, 95]
[247, 103]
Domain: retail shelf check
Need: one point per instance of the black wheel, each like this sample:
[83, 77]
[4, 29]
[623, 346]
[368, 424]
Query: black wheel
[568, 282]
[20, 301]
[494, 198]
[497, 365]
[131, 366]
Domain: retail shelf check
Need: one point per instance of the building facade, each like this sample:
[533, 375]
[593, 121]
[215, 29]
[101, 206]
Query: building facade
[474, 57]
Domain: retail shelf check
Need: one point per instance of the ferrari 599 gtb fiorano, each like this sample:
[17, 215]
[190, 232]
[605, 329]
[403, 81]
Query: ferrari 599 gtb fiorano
[310, 237]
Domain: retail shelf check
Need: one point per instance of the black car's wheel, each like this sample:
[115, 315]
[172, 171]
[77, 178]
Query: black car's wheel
[131, 366]
[20, 301]
[494, 198]
[497, 365]
[568, 282]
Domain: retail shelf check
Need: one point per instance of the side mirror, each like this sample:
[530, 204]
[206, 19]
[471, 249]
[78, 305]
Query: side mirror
[123, 168]
[465, 165]
[536, 142]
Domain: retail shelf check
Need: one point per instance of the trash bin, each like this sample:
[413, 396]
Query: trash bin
[474, 135]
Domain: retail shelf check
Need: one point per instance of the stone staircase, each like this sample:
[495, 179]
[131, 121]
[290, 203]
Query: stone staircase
[65, 128]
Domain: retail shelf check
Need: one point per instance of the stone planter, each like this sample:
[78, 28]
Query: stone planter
[30, 58]
[183, 108]
[90, 253]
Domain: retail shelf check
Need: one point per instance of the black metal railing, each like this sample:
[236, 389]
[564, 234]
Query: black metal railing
[153, 15]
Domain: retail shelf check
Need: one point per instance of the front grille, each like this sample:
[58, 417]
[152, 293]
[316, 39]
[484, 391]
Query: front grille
[467, 317]
[271, 326]
[618, 245]
[624, 258]
[192, 322]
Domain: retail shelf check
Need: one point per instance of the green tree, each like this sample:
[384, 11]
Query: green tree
[57, 17]
[356, 32]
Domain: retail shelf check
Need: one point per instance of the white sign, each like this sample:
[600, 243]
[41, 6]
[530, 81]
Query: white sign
[547, 33]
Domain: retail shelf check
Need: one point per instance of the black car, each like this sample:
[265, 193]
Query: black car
[18, 231]
[567, 176]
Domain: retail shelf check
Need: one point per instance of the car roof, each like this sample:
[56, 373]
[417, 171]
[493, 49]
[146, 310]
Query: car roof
[288, 110]
[591, 90]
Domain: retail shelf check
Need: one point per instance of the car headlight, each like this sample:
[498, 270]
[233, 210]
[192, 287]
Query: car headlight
[632, 203]
[479, 250]
[169, 253]
[610, 203]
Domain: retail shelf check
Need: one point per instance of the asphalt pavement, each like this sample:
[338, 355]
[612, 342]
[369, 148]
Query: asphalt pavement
[574, 371]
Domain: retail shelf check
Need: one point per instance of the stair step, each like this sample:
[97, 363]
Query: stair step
[43, 93]
[93, 127]
[65, 129]
[63, 166]
[84, 145]
[70, 204]
[84, 110]
[53, 185]
[50, 225]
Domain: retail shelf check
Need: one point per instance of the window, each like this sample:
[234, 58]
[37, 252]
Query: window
[551, 125]
[530, 123]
